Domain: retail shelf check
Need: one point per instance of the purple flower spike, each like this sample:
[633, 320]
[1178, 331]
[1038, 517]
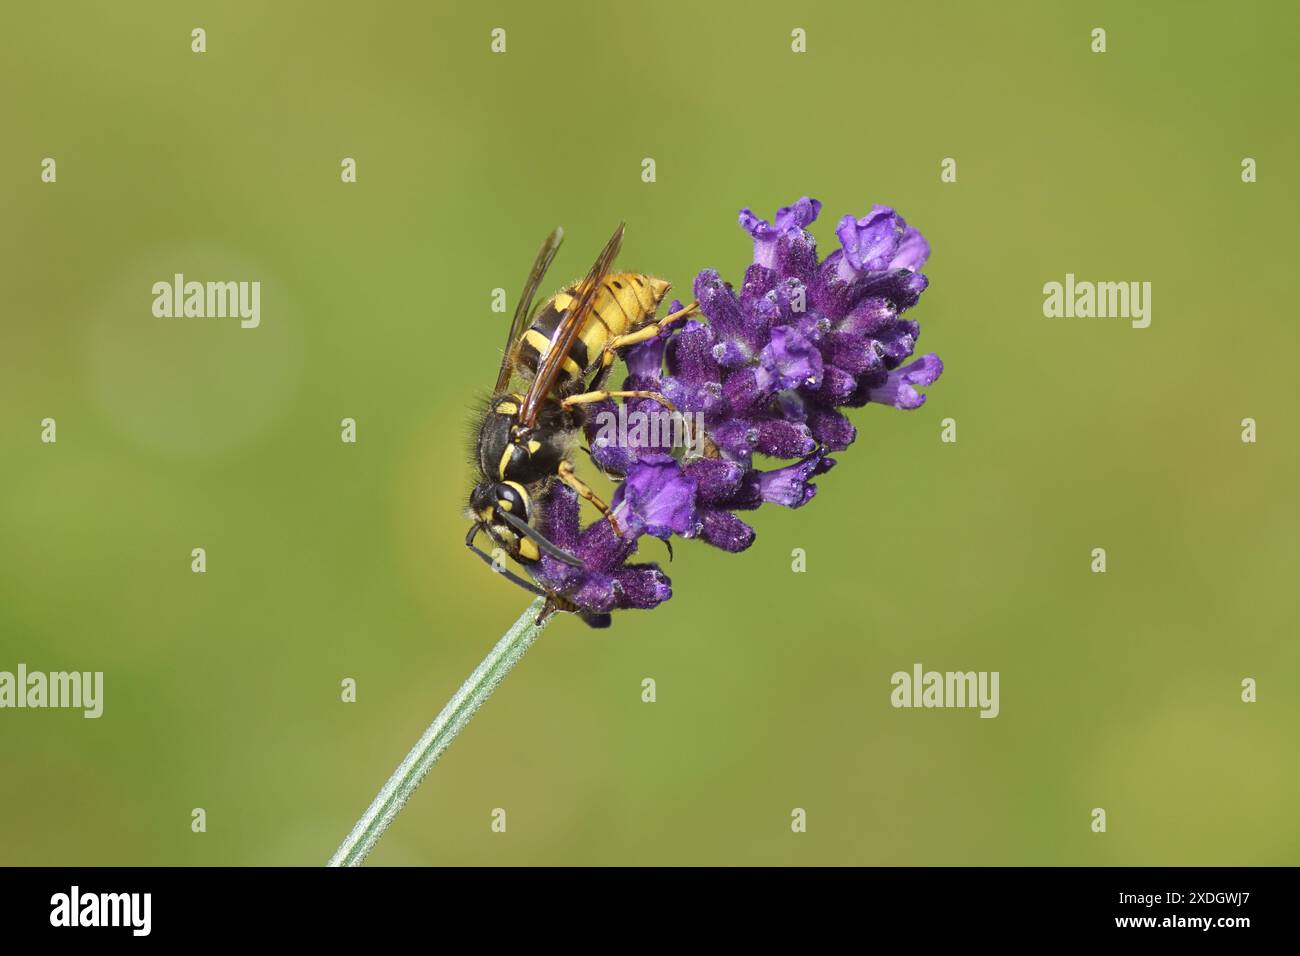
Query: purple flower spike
[724, 530]
[870, 243]
[646, 361]
[656, 499]
[791, 359]
[912, 252]
[899, 388]
[763, 373]
[789, 486]
[790, 220]
[605, 582]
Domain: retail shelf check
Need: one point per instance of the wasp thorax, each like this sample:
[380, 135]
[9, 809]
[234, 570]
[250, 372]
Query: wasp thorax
[507, 451]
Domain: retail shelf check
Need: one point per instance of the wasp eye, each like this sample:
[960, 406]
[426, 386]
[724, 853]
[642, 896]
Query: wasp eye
[511, 497]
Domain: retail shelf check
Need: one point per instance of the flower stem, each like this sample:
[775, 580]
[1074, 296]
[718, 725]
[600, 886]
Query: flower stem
[449, 722]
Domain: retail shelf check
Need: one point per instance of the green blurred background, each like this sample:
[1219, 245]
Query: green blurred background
[328, 560]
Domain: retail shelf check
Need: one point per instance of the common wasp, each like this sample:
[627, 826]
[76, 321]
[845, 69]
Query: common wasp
[564, 349]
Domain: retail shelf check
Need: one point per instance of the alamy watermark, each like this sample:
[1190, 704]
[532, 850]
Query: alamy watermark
[653, 429]
[922, 688]
[208, 300]
[75, 908]
[1103, 300]
[72, 689]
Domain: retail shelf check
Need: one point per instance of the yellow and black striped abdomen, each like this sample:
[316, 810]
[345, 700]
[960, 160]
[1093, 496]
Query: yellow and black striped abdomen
[625, 302]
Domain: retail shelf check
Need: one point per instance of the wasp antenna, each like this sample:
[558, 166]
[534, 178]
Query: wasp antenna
[504, 572]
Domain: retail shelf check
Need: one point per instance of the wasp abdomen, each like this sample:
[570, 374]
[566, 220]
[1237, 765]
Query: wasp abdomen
[625, 302]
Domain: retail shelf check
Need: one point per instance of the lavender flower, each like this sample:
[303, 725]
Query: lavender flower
[767, 372]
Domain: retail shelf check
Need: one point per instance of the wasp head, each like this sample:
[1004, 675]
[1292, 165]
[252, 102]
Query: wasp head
[490, 502]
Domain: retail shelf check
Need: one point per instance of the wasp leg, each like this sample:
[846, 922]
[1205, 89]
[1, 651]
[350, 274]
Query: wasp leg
[567, 475]
[555, 603]
[599, 395]
[645, 333]
[602, 375]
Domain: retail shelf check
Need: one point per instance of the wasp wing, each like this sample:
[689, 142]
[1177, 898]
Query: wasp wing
[566, 331]
[524, 307]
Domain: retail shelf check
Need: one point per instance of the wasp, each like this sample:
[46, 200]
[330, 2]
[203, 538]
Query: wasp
[564, 350]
